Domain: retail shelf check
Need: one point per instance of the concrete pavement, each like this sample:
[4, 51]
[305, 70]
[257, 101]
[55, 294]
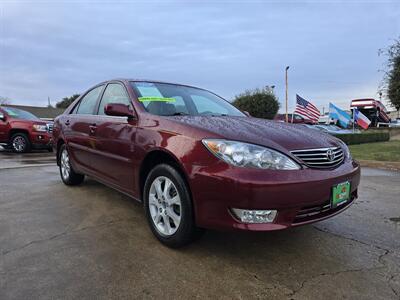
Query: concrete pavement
[59, 242]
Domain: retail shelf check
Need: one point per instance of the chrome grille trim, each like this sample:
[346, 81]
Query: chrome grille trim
[318, 158]
[50, 128]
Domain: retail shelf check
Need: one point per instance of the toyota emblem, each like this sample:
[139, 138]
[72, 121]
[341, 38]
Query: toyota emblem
[330, 155]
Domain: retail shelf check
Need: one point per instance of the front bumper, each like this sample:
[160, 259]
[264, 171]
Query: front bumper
[300, 196]
[41, 140]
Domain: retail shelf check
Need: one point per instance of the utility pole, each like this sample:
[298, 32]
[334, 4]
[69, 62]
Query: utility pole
[286, 83]
[48, 101]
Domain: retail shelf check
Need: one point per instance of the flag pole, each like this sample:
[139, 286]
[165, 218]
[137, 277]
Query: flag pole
[354, 117]
[286, 84]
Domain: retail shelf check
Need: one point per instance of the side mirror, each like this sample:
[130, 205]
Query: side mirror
[246, 113]
[2, 116]
[118, 110]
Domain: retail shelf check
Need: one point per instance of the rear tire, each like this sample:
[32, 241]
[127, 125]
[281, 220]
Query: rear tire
[67, 173]
[20, 143]
[168, 207]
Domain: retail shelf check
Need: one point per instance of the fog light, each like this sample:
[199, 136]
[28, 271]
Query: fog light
[255, 216]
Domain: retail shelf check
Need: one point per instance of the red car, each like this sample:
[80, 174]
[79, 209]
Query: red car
[373, 109]
[21, 131]
[196, 161]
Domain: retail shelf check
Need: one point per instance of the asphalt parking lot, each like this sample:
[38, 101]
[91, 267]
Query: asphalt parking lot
[91, 242]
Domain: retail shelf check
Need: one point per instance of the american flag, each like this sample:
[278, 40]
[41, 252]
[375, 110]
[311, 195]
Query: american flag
[306, 109]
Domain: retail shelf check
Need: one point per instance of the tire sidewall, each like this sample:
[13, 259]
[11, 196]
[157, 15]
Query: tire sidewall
[186, 226]
[62, 149]
[27, 142]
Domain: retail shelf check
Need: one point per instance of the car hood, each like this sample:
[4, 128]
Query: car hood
[29, 122]
[260, 131]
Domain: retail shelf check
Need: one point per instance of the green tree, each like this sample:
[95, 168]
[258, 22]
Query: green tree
[4, 100]
[260, 103]
[392, 76]
[66, 101]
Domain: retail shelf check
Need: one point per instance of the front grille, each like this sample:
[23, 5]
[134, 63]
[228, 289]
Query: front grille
[313, 210]
[310, 213]
[322, 158]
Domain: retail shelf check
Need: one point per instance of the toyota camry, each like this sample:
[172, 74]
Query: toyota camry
[196, 162]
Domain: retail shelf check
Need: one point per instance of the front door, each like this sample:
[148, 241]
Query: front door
[114, 141]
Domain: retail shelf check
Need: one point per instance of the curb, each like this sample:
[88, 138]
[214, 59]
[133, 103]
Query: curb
[386, 165]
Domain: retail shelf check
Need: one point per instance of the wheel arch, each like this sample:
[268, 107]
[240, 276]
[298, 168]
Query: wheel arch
[60, 142]
[156, 157]
[17, 130]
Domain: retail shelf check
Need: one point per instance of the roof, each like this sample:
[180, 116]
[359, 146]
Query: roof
[40, 112]
[152, 81]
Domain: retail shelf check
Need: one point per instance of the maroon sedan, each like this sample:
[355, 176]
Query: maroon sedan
[195, 161]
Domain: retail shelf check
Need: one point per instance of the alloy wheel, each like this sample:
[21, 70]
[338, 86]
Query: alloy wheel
[64, 164]
[165, 206]
[19, 144]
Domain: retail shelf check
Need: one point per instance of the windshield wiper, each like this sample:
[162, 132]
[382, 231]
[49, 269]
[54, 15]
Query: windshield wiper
[218, 115]
[179, 114]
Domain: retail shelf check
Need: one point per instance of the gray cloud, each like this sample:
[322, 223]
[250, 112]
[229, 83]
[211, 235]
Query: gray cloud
[59, 48]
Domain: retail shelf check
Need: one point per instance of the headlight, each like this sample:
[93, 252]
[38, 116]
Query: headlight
[248, 155]
[41, 128]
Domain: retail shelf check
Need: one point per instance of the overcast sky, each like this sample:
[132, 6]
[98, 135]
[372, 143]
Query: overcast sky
[58, 48]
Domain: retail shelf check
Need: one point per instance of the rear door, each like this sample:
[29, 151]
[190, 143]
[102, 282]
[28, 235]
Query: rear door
[79, 129]
[114, 140]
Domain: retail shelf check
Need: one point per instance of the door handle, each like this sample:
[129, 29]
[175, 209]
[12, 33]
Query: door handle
[67, 122]
[92, 128]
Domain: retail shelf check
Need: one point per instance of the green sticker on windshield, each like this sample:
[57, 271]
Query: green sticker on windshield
[157, 99]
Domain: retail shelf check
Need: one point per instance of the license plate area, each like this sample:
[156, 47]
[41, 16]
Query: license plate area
[340, 194]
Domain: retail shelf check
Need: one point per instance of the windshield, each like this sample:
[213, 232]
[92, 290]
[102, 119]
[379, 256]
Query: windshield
[171, 100]
[19, 114]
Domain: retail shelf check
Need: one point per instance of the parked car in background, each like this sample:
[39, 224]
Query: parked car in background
[297, 119]
[196, 161]
[395, 123]
[373, 109]
[324, 119]
[331, 129]
[22, 131]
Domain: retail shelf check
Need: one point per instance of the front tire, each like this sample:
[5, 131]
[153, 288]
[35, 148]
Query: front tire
[67, 173]
[20, 143]
[168, 207]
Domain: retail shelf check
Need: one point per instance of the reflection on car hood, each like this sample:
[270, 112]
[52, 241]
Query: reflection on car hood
[259, 131]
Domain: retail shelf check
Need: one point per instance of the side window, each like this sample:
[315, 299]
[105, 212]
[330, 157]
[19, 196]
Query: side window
[88, 103]
[114, 93]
